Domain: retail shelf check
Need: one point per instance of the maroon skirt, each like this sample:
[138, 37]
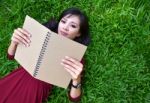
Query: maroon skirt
[20, 87]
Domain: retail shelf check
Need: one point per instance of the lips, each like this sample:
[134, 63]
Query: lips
[63, 33]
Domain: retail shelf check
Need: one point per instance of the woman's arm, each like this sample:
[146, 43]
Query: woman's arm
[74, 67]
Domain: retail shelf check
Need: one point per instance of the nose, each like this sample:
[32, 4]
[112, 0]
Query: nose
[66, 27]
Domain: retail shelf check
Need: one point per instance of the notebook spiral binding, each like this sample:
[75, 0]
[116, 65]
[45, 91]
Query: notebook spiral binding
[39, 61]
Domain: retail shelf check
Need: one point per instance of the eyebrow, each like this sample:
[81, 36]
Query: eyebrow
[75, 23]
[71, 22]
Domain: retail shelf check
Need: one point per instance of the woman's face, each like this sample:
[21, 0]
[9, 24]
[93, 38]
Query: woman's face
[69, 26]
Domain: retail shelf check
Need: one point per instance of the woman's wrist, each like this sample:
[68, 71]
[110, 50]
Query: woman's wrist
[76, 85]
[76, 81]
[12, 48]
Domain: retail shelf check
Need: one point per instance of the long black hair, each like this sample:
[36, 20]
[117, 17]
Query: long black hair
[84, 25]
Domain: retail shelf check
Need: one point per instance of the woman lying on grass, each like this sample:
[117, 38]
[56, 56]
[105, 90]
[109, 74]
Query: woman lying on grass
[20, 87]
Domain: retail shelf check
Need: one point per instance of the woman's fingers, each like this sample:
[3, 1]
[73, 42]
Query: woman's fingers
[15, 38]
[74, 76]
[21, 36]
[71, 70]
[74, 61]
[74, 70]
[73, 66]
[24, 32]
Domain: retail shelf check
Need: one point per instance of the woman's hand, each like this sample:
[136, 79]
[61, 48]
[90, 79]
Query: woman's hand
[21, 36]
[73, 66]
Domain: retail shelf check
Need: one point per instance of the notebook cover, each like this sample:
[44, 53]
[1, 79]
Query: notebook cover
[58, 47]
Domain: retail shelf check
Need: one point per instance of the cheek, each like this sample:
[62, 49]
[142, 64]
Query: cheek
[74, 31]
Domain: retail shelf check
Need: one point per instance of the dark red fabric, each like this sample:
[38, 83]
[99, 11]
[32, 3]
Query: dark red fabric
[20, 87]
[10, 57]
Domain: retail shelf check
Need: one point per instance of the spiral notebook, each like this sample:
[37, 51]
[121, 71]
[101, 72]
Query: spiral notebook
[43, 57]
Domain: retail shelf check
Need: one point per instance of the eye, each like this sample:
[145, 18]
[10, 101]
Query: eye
[74, 26]
[63, 21]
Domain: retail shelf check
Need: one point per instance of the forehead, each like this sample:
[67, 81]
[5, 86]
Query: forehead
[73, 18]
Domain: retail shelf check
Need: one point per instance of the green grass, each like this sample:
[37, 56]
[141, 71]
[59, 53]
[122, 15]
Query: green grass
[117, 66]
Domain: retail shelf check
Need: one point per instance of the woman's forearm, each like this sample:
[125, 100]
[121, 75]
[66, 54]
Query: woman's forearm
[12, 48]
[75, 92]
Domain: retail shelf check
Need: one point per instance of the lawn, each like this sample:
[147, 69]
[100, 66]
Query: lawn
[117, 68]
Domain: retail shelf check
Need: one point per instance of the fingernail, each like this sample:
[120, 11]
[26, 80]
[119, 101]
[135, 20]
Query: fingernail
[61, 63]
[28, 45]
